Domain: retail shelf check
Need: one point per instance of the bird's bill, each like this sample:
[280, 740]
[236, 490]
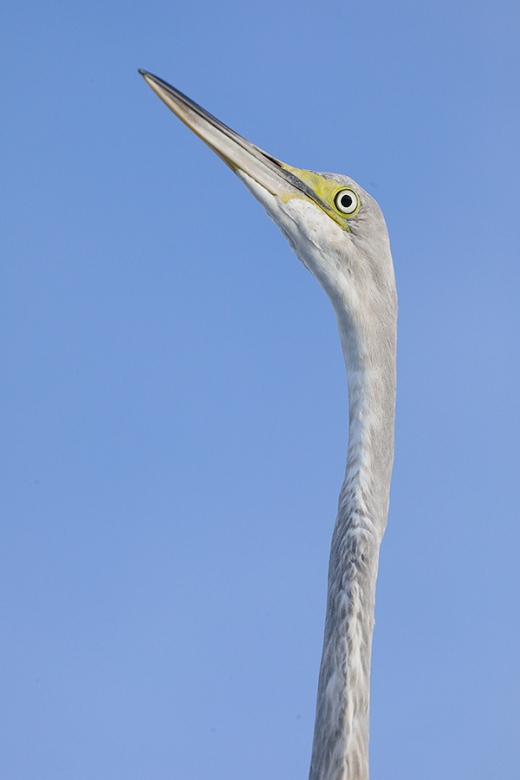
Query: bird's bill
[237, 152]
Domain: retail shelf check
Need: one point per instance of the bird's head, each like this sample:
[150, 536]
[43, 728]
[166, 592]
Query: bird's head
[335, 228]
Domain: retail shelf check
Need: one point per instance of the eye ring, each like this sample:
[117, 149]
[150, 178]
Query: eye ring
[346, 202]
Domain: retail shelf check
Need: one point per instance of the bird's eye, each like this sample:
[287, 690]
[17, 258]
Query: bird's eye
[346, 201]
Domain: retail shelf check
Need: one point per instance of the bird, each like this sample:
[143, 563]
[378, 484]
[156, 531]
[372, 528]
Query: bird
[337, 230]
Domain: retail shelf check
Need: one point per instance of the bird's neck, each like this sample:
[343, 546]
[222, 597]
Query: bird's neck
[371, 392]
[340, 749]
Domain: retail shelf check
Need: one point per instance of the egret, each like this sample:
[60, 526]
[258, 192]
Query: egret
[338, 232]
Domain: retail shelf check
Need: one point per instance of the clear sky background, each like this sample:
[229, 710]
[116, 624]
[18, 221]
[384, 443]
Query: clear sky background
[173, 399]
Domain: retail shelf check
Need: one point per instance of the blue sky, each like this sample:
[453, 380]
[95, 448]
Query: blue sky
[174, 409]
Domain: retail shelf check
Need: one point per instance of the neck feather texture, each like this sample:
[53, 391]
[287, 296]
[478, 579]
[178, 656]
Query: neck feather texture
[340, 747]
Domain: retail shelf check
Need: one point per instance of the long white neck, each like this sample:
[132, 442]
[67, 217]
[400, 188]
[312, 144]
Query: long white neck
[341, 736]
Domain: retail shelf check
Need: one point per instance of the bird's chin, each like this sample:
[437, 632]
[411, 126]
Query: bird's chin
[262, 195]
[278, 210]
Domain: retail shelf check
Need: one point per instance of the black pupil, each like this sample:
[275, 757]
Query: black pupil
[346, 200]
